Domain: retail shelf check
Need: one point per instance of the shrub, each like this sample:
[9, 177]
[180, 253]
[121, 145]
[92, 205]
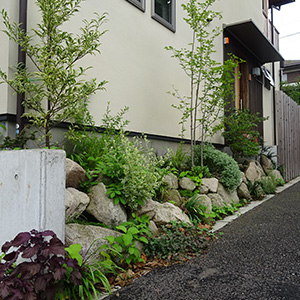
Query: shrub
[221, 164]
[45, 266]
[240, 133]
[178, 241]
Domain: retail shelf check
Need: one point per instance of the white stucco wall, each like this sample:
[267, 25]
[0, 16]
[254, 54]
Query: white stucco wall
[133, 60]
[8, 58]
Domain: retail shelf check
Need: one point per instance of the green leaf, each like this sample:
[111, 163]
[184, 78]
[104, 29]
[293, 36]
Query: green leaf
[133, 230]
[122, 228]
[110, 239]
[73, 251]
[143, 240]
[127, 238]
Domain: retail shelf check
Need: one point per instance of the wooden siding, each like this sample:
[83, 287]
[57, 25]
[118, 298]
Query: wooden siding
[288, 134]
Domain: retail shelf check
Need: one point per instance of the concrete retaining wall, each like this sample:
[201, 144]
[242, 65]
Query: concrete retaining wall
[32, 192]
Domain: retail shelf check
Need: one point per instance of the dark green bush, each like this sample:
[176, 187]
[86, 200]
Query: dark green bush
[220, 164]
[241, 134]
[178, 241]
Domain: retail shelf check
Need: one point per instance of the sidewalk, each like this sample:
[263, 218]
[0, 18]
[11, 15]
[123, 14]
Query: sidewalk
[258, 257]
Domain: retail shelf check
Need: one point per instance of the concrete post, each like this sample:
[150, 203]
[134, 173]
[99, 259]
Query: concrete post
[32, 192]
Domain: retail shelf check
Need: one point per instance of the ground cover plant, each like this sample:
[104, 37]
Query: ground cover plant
[178, 242]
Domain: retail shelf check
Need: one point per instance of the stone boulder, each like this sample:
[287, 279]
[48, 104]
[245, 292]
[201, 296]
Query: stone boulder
[148, 208]
[254, 171]
[203, 200]
[243, 177]
[74, 174]
[243, 191]
[103, 208]
[171, 181]
[266, 164]
[75, 203]
[211, 184]
[187, 184]
[86, 235]
[227, 196]
[276, 175]
[153, 228]
[203, 189]
[216, 200]
[167, 212]
[174, 196]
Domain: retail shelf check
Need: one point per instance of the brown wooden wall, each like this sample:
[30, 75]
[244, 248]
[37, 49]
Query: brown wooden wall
[288, 134]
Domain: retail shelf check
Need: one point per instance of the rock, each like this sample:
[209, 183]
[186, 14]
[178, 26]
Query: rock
[174, 196]
[171, 181]
[243, 177]
[243, 191]
[148, 208]
[153, 228]
[276, 175]
[103, 208]
[216, 200]
[227, 196]
[204, 200]
[74, 174]
[187, 184]
[75, 203]
[211, 184]
[86, 235]
[203, 189]
[254, 171]
[266, 164]
[167, 212]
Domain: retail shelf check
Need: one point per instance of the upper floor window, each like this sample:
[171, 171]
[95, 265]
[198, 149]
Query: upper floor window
[163, 11]
[138, 3]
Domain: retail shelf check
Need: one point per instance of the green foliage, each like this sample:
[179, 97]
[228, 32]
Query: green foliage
[130, 171]
[292, 90]
[255, 190]
[135, 230]
[220, 164]
[178, 241]
[211, 82]
[198, 212]
[19, 141]
[178, 159]
[55, 88]
[93, 274]
[241, 134]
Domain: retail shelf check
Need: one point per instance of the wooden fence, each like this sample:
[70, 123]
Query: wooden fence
[288, 134]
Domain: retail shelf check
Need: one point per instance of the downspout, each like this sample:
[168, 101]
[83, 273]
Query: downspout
[21, 64]
[273, 74]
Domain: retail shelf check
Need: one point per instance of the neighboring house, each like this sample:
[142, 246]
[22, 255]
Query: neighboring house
[290, 72]
[140, 72]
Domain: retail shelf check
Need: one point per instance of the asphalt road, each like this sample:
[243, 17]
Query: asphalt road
[257, 257]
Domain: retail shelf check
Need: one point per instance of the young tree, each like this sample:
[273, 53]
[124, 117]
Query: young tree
[211, 82]
[55, 90]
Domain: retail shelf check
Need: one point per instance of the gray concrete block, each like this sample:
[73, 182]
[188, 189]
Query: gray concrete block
[32, 192]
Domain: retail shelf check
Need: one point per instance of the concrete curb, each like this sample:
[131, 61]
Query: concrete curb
[220, 224]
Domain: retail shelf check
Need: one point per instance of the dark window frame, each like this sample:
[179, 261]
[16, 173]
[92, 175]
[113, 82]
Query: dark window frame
[161, 20]
[139, 4]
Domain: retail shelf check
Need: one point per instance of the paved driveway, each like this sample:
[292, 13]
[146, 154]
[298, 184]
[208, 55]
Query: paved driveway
[258, 257]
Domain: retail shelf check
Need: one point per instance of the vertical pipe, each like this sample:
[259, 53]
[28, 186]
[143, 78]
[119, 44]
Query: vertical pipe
[273, 74]
[21, 64]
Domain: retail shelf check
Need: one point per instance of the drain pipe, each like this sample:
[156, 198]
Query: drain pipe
[21, 64]
[273, 74]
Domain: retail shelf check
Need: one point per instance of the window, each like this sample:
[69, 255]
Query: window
[163, 11]
[138, 3]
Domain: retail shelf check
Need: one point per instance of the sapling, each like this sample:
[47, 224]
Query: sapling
[55, 89]
[211, 82]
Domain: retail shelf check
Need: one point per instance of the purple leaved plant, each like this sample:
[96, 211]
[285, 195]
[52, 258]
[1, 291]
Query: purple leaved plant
[43, 268]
